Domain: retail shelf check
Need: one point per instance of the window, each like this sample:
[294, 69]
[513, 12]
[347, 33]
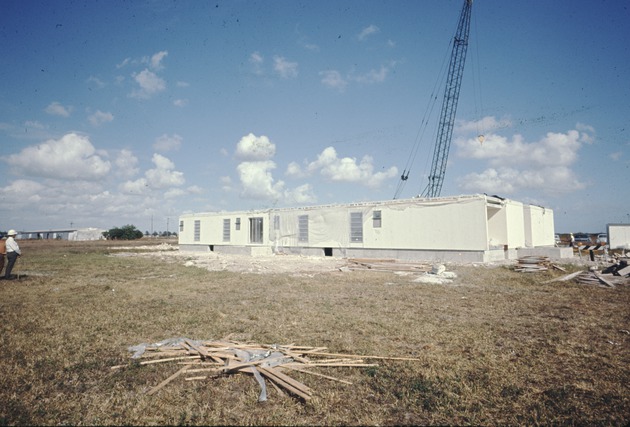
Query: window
[376, 219]
[256, 230]
[226, 229]
[181, 226]
[303, 228]
[237, 224]
[197, 230]
[356, 227]
[276, 222]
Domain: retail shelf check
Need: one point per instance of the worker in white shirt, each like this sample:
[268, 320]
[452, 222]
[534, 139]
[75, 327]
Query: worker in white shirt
[3, 252]
[13, 252]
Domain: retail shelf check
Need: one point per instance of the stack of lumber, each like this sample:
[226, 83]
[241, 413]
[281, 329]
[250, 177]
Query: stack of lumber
[533, 264]
[376, 264]
[204, 360]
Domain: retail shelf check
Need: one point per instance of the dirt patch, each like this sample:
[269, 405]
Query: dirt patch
[295, 265]
[260, 264]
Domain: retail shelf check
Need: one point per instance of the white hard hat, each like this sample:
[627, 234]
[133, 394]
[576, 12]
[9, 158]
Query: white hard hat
[12, 233]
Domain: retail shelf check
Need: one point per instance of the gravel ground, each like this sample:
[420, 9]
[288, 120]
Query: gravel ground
[282, 263]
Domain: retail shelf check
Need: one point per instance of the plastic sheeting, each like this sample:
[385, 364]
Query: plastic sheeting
[270, 358]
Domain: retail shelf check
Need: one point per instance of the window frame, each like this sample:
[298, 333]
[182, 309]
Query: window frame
[356, 227]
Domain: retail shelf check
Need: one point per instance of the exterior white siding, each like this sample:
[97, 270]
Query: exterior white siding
[619, 236]
[539, 226]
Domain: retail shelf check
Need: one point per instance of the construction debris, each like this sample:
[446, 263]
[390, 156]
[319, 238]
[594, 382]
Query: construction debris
[605, 278]
[593, 278]
[620, 268]
[204, 360]
[375, 264]
[533, 264]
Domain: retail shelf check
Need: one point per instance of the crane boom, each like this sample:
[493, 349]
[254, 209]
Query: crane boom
[449, 103]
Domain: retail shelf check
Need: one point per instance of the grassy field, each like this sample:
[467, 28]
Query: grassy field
[494, 347]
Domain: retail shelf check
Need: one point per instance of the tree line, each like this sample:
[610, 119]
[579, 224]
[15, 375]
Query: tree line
[130, 232]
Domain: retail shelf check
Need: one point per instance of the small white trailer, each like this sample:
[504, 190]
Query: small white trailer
[618, 236]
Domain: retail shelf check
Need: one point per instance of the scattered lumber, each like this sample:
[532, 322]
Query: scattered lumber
[376, 264]
[593, 277]
[568, 277]
[534, 264]
[266, 362]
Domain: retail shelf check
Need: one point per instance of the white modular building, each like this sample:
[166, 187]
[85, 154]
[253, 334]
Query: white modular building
[470, 228]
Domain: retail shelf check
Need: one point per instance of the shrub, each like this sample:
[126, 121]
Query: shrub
[127, 232]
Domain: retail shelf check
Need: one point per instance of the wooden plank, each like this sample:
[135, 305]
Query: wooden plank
[295, 356]
[194, 371]
[278, 389]
[199, 349]
[357, 356]
[565, 278]
[349, 365]
[273, 376]
[604, 281]
[170, 359]
[240, 365]
[168, 380]
[624, 271]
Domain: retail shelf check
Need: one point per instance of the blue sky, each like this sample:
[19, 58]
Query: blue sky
[117, 112]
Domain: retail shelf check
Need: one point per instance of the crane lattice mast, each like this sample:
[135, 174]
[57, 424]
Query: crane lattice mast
[449, 104]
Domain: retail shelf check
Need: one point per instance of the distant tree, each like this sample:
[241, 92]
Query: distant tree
[126, 232]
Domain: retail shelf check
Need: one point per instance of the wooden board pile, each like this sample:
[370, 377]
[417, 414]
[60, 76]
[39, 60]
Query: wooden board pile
[593, 277]
[374, 264]
[533, 264]
[204, 360]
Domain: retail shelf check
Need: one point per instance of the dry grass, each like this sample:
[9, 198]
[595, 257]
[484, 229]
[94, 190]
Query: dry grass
[495, 347]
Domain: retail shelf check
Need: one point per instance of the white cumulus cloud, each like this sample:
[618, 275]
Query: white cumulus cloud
[162, 176]
[156, 60]
[56, 109]
[100, 117]
[150, 84]
[347, 169]
[126, 163]
[71, 157]
[514, 164]
[252, 147]
[301, 195]
[257, 181]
